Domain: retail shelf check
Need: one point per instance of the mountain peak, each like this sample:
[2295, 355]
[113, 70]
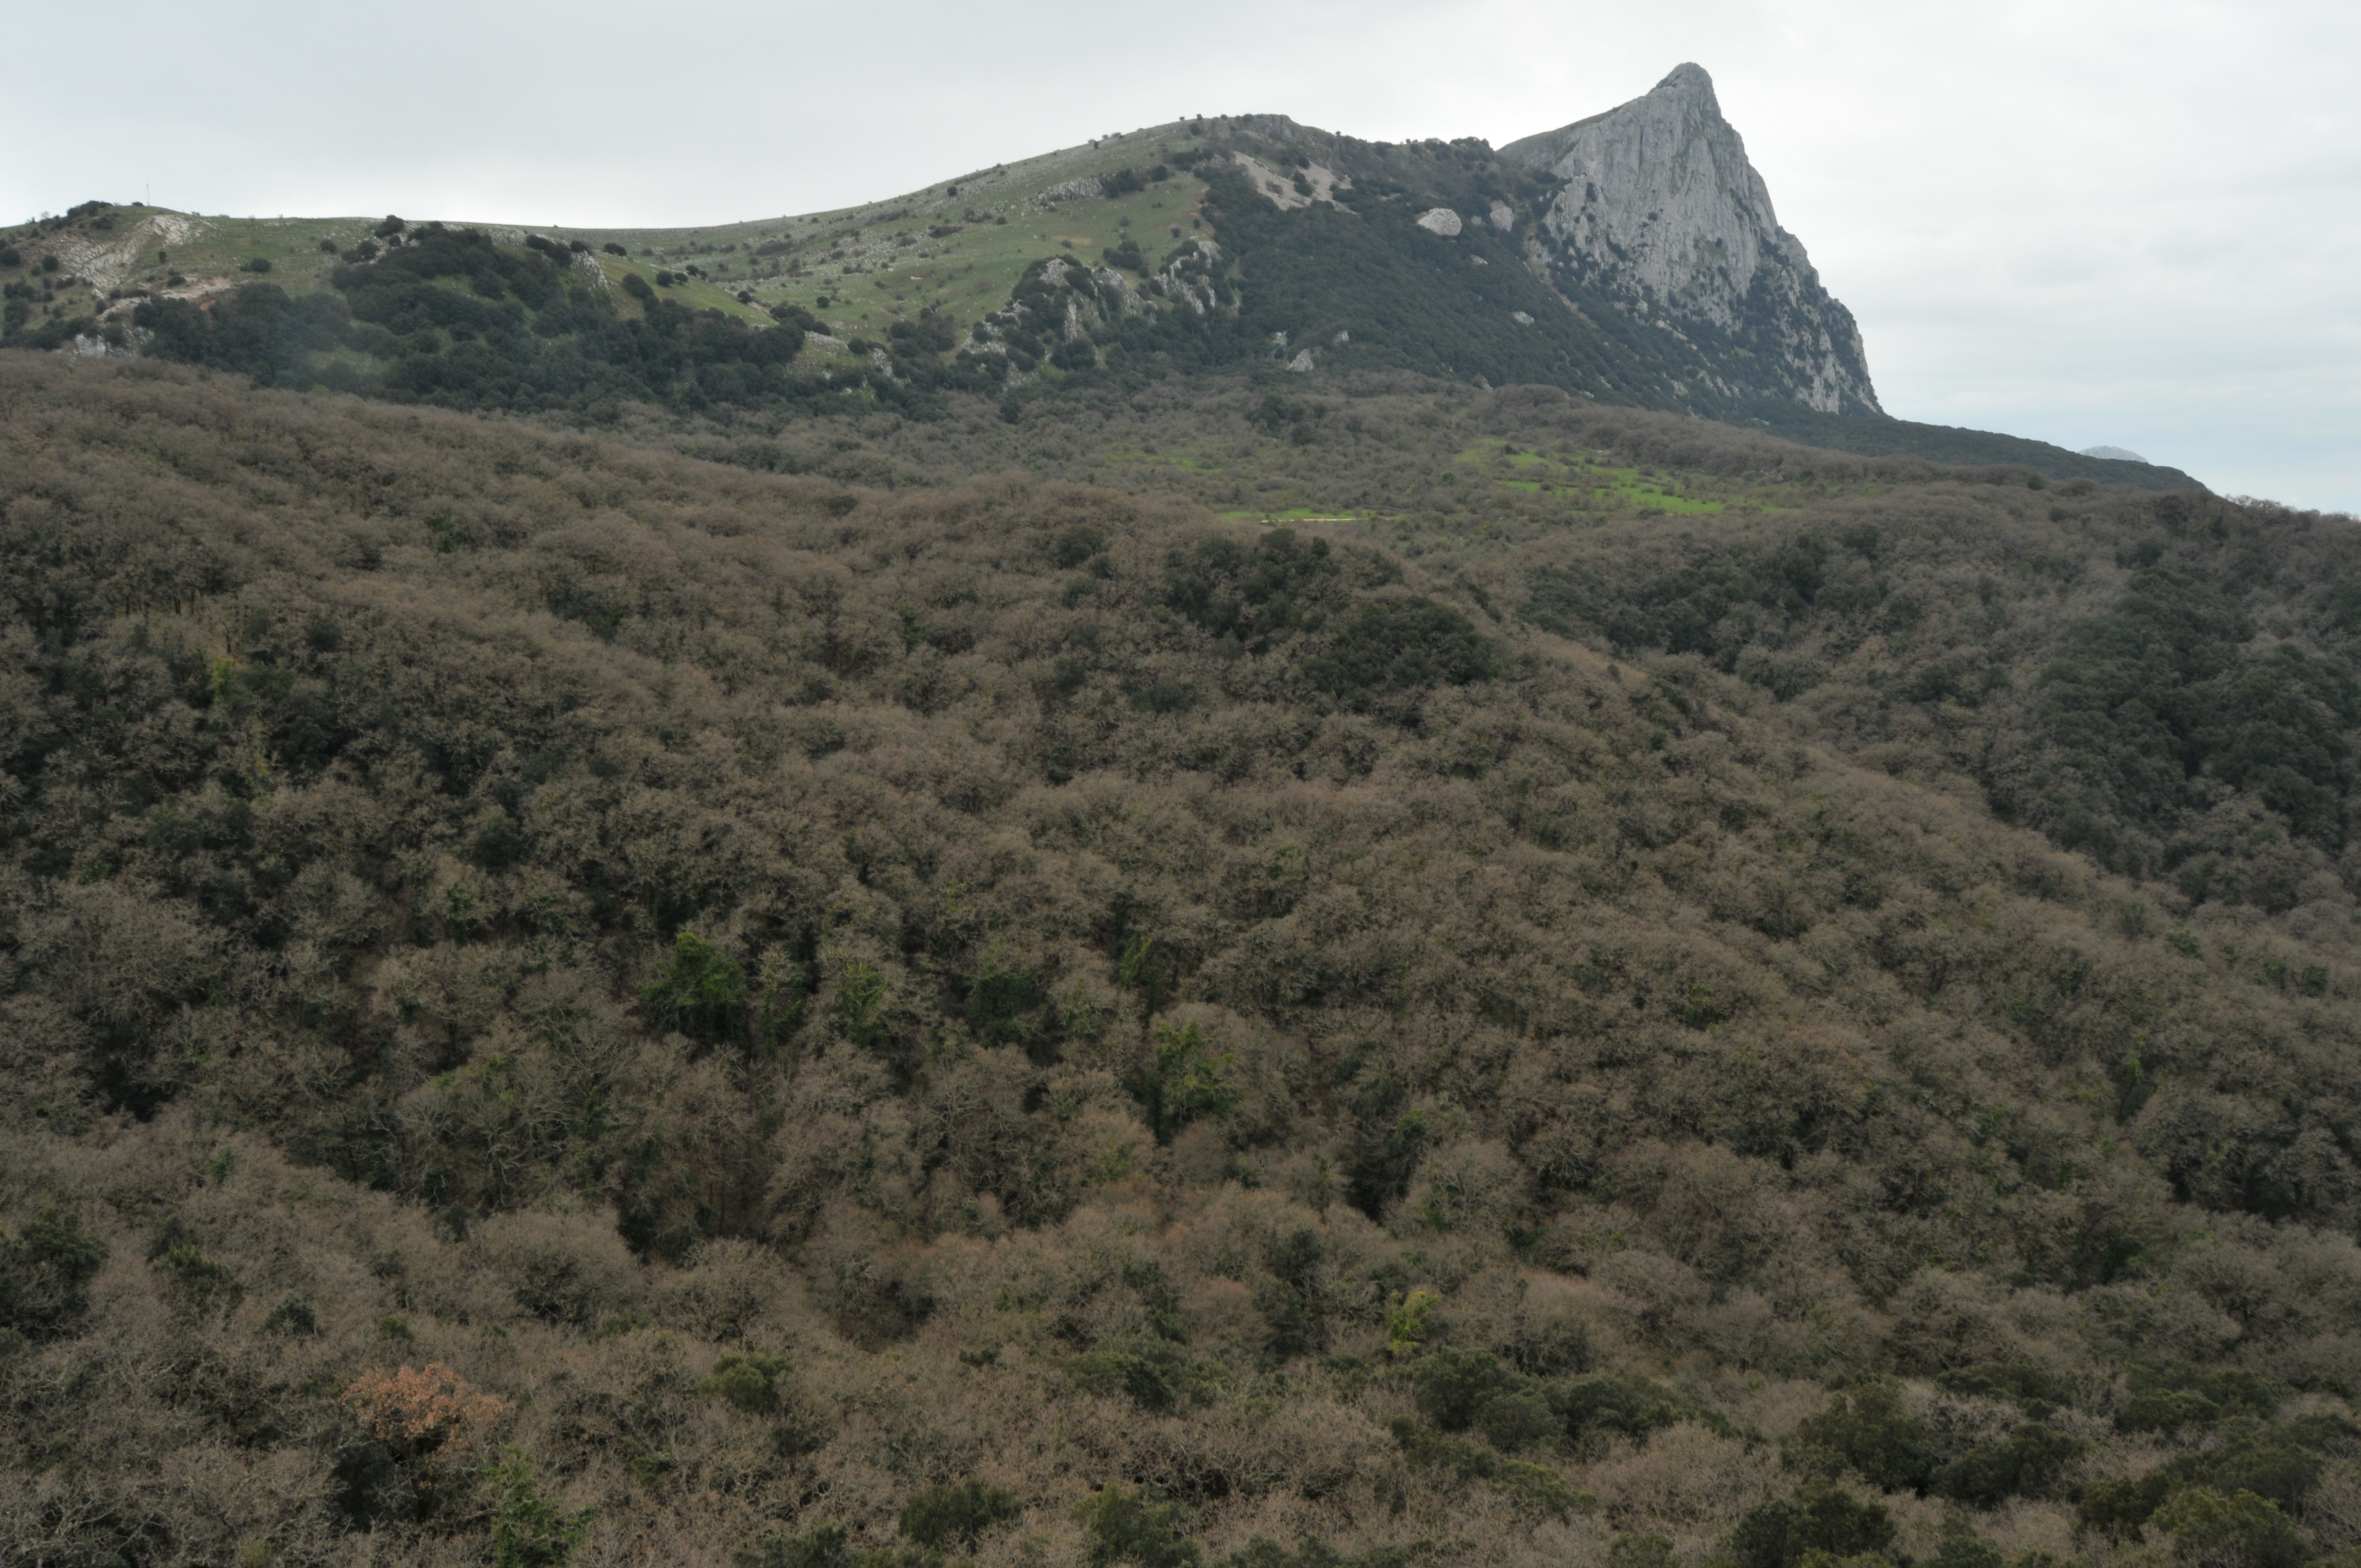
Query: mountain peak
[1662, 215]
[1688, 80]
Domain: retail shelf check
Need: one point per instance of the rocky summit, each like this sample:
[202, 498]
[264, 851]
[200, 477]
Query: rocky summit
[1662, 215]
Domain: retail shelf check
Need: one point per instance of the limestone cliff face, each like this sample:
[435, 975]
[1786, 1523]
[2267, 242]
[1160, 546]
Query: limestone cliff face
[1663, 216]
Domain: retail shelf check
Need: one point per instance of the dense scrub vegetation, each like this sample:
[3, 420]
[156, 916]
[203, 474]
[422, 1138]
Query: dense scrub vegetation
[2161, 680]
[2166, 683]
[445, 316]
[570, 1000]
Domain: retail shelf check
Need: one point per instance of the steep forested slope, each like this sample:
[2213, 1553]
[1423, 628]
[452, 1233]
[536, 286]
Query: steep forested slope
[567, 1000]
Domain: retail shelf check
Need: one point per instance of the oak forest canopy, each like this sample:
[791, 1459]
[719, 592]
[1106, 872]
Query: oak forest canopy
[1233, 850]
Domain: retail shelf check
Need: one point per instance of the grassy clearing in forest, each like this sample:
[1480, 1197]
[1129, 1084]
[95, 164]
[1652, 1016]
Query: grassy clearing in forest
[1567, 475]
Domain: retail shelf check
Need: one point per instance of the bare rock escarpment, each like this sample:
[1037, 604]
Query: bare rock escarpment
[1663, 216]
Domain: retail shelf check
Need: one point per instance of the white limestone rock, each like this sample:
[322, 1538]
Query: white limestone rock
[1440, 219]
[1662, 214]
[1278, 186]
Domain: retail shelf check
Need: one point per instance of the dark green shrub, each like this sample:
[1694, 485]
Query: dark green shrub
[1641, 1551]
[257, 330]
[1400, 645]
[44, 1270]
[1001, 1003]
[294, 1315]
[956, 1516]
[1277, 413]
[257, 264]
[1289, 1297]
[930, 333]
[1966, 1551]
[1315, 1552]
[822, 1546]
[2118, 1508]
[196, 1285]
[1126, 1528]
[2239, 1530]
[1455, 1385]
[1186, 1082]
[1622, 1406]
[1157, 1377]
[748, 1381]
[702, 994]
[1533, 1488]
[2026, 1462]
[1253, 592]
[2280, 1463]
[1870, 1432]
[1817, 1518]
[530, 1530]
[2167, 1411]
[1078, 545]
[2038, 1391]
[1512, 1420]
[2163, 689]
[2165, 1399]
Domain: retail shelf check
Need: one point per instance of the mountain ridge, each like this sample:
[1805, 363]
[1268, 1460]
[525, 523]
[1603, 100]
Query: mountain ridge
[899, 297]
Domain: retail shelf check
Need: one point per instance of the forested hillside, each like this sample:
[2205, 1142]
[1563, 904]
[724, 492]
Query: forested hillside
[741, 992]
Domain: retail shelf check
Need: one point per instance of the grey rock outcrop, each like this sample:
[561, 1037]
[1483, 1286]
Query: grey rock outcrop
[1662, 215]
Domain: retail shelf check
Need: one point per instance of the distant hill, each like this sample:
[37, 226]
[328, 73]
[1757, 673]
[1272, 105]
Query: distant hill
[1632, 259]
[1954, 443]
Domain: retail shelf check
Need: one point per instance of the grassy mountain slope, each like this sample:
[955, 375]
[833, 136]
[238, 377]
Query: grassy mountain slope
[1338, 268]
[568, 1000]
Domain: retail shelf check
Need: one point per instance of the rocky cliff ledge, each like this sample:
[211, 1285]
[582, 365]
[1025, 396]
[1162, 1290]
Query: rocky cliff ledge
[1663, 216]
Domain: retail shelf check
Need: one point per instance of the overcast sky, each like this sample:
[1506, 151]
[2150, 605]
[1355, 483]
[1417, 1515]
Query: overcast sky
[2127, 223]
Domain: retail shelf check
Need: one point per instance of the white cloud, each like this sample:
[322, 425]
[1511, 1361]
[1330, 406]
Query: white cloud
[2098, 222]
